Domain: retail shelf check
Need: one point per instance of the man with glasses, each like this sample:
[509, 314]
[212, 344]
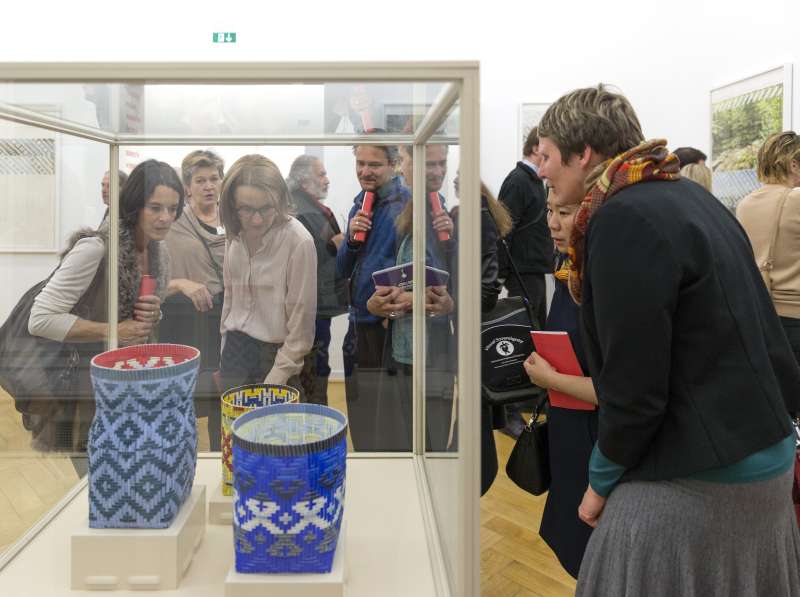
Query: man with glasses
[357, 259]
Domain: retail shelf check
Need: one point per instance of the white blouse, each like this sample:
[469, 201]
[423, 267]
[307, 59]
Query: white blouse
[272, 296]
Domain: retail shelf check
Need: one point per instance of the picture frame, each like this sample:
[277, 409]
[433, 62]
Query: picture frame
[29, 184]
[530, 113]
[743, 114]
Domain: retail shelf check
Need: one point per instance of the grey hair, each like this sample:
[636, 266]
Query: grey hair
[302, 169]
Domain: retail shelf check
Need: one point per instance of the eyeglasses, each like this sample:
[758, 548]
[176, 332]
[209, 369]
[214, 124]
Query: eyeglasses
[157, 209]
[245, 211]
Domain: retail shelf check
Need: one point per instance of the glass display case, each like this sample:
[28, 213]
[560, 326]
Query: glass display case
[261, 290]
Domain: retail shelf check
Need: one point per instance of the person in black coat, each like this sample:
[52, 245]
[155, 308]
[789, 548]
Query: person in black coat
[694, 376]
[523, 195]
[308, 183]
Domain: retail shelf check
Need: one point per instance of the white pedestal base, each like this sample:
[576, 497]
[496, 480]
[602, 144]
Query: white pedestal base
[331, 584]
[220, 507]
[139, 559]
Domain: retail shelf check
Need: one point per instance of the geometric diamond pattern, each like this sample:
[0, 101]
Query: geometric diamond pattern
[142, 445]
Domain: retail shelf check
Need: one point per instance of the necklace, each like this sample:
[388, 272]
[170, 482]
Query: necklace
[213, 221]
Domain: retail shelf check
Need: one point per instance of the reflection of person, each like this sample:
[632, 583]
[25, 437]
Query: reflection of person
[308, 184]
[192, 312]
[270, 279]
[72, 306]
[105, 185]
[761, 216]
[571, 433]
[394, 304]
[695, 379]
[357, 261]
[530, 245]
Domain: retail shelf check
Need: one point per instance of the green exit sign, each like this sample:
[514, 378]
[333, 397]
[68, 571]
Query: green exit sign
[225, 38]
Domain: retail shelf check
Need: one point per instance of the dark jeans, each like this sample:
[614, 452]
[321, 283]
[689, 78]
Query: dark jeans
[316, 368]
[537, 293]
[363, 387]
[246, 360]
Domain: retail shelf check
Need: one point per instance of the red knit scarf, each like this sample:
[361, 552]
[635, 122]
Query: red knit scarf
[651, 160]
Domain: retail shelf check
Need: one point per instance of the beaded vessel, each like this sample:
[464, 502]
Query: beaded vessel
[289, 485]
[143, 439]
[240, 400]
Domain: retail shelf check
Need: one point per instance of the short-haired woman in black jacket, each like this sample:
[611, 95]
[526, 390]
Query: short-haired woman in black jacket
[690, 479]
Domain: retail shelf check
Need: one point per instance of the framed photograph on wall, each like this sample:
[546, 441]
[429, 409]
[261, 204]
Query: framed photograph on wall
[743, 114]
[28, 187]
[529, 116]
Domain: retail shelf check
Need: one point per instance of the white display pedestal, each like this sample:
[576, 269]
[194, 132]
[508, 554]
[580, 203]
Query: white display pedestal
[220, 507]
[139, 559]
[331, 584]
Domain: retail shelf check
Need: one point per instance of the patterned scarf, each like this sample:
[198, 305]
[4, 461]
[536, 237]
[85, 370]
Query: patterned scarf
[650, 160]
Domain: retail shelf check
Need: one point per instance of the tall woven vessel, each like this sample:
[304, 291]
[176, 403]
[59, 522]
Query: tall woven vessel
[289, 464]
[143, 439]
[238, 401]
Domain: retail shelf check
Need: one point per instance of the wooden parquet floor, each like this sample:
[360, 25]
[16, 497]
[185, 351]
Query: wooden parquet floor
[515, 562]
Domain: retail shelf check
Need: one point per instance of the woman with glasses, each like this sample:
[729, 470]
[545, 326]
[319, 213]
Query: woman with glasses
[269, 273]
[71, 308]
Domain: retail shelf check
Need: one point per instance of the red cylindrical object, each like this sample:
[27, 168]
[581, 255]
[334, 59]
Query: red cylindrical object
[366, 207]
[147, 285]
[436, 209]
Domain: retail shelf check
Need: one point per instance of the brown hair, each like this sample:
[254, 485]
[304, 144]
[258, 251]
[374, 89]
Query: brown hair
[531, 141]
[200, 158]
[254, 171]
[594, 116]
[776, 155]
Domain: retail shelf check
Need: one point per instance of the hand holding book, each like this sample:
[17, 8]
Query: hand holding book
[555, 361]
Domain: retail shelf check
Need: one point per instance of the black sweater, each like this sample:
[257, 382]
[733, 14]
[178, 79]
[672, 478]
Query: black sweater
[691, 365]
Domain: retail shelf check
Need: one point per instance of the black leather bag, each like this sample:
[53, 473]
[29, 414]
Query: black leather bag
[529, 463]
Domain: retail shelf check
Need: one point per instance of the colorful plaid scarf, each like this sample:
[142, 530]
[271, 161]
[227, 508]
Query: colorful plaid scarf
[650, 160]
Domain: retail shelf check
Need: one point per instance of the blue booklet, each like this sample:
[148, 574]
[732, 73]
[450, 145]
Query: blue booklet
[402, 276]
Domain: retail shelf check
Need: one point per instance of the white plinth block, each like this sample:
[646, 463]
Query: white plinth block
[331, 584]
[139, 559]
[220, 507]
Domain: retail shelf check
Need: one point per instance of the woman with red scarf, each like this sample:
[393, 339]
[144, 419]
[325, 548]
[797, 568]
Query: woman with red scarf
[690, 479]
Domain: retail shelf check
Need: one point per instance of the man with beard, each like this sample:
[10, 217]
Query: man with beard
[308, 183]
[357, 260]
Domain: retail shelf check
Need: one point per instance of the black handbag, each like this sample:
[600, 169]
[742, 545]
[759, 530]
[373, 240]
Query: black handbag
[505, 344]
[529, 463]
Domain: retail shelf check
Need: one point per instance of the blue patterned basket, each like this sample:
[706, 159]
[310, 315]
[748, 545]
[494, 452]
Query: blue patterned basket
[143, 439]
[289, 464]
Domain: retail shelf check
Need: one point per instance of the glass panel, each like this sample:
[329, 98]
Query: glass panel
[50, 187]
[247, 109]
[441, 367]
[336, 371]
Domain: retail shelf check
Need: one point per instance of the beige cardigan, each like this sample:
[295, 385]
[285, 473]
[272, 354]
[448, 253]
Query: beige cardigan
[757, 213]
[190, 259]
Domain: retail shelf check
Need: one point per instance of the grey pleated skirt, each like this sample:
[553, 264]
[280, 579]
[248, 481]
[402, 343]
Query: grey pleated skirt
[695, 539]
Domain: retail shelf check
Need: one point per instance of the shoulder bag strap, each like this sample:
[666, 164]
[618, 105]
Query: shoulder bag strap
[766, 267]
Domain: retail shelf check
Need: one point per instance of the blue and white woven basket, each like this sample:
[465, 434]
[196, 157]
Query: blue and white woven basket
[143, 439]
[289, 464]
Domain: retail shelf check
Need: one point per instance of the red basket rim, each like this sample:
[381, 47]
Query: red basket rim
[180, 353]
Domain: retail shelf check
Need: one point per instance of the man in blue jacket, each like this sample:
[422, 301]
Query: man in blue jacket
[357, 260]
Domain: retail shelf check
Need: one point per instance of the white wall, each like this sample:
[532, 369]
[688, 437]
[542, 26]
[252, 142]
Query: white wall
[666, 58]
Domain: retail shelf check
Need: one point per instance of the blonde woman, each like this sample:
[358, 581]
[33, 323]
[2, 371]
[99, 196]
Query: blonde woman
[774, 210]
[270, 278]
[699, 173]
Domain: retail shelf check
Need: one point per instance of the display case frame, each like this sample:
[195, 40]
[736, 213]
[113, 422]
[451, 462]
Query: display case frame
[455, 573]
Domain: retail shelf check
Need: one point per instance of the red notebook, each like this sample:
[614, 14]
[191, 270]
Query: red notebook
[557, 350]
